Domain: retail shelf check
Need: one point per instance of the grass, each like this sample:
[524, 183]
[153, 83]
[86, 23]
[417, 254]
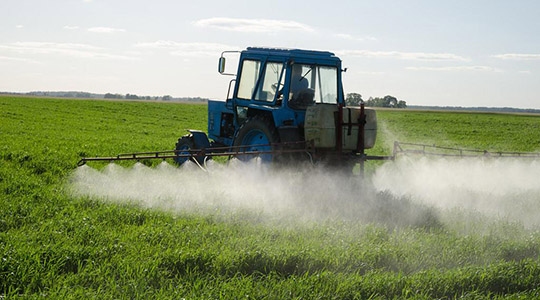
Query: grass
[484, 131]
[54, 245]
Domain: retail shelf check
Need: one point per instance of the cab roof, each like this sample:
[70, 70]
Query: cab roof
[286, 52]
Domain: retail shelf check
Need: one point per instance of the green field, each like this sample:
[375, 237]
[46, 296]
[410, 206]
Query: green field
[57, 245]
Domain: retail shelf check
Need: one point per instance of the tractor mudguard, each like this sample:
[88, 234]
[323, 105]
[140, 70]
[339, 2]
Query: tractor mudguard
[200, 140]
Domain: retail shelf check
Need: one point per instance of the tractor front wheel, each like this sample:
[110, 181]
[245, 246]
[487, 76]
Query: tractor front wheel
[257, 134]
[183, 147]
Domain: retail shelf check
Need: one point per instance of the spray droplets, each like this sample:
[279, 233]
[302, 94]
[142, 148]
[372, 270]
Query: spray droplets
[405, 192]
[507, 188]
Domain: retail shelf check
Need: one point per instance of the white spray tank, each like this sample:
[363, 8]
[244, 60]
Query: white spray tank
[320, 126]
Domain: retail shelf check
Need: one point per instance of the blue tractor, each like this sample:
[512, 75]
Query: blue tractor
[284, 104]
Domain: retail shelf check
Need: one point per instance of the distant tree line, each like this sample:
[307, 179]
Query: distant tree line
[62, 94]
[87, 95]
[354, 99]
[162, 98]
[135, 97]
[386, 101]
[478, 109]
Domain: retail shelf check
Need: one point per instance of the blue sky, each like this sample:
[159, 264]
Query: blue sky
[446, 53]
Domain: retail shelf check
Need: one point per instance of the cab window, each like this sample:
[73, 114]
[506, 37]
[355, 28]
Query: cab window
[326, 87]
[248, 78]
[310, 84]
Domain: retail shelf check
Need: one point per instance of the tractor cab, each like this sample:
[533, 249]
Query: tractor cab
[277, 86]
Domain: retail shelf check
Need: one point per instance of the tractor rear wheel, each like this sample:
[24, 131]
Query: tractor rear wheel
[258, 133]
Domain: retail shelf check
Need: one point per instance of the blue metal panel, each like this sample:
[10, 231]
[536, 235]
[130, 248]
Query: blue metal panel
[214, 117]
[216, 109]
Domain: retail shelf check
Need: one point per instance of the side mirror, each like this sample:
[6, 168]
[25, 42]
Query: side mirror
[221, 65]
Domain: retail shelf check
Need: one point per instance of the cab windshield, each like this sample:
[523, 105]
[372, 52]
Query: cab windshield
[257, 85]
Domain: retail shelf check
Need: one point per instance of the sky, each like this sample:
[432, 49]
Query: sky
[445, 53]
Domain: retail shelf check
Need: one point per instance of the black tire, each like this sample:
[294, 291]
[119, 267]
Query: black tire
[258, 133]
[183, 146]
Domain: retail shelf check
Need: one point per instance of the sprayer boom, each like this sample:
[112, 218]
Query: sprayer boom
[400, 148]
[200, 155]
[433, 150]
[131, 156]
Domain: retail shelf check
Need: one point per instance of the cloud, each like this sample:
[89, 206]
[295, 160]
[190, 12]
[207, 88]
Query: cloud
[187, 49]
[355, 38]
[457, 68]
[253, 25]
[19, 26]
[68, 27]
[517, 56]
[67, 49]
[18, 59]
[403, 55]
[105, 30]
[371, 73]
